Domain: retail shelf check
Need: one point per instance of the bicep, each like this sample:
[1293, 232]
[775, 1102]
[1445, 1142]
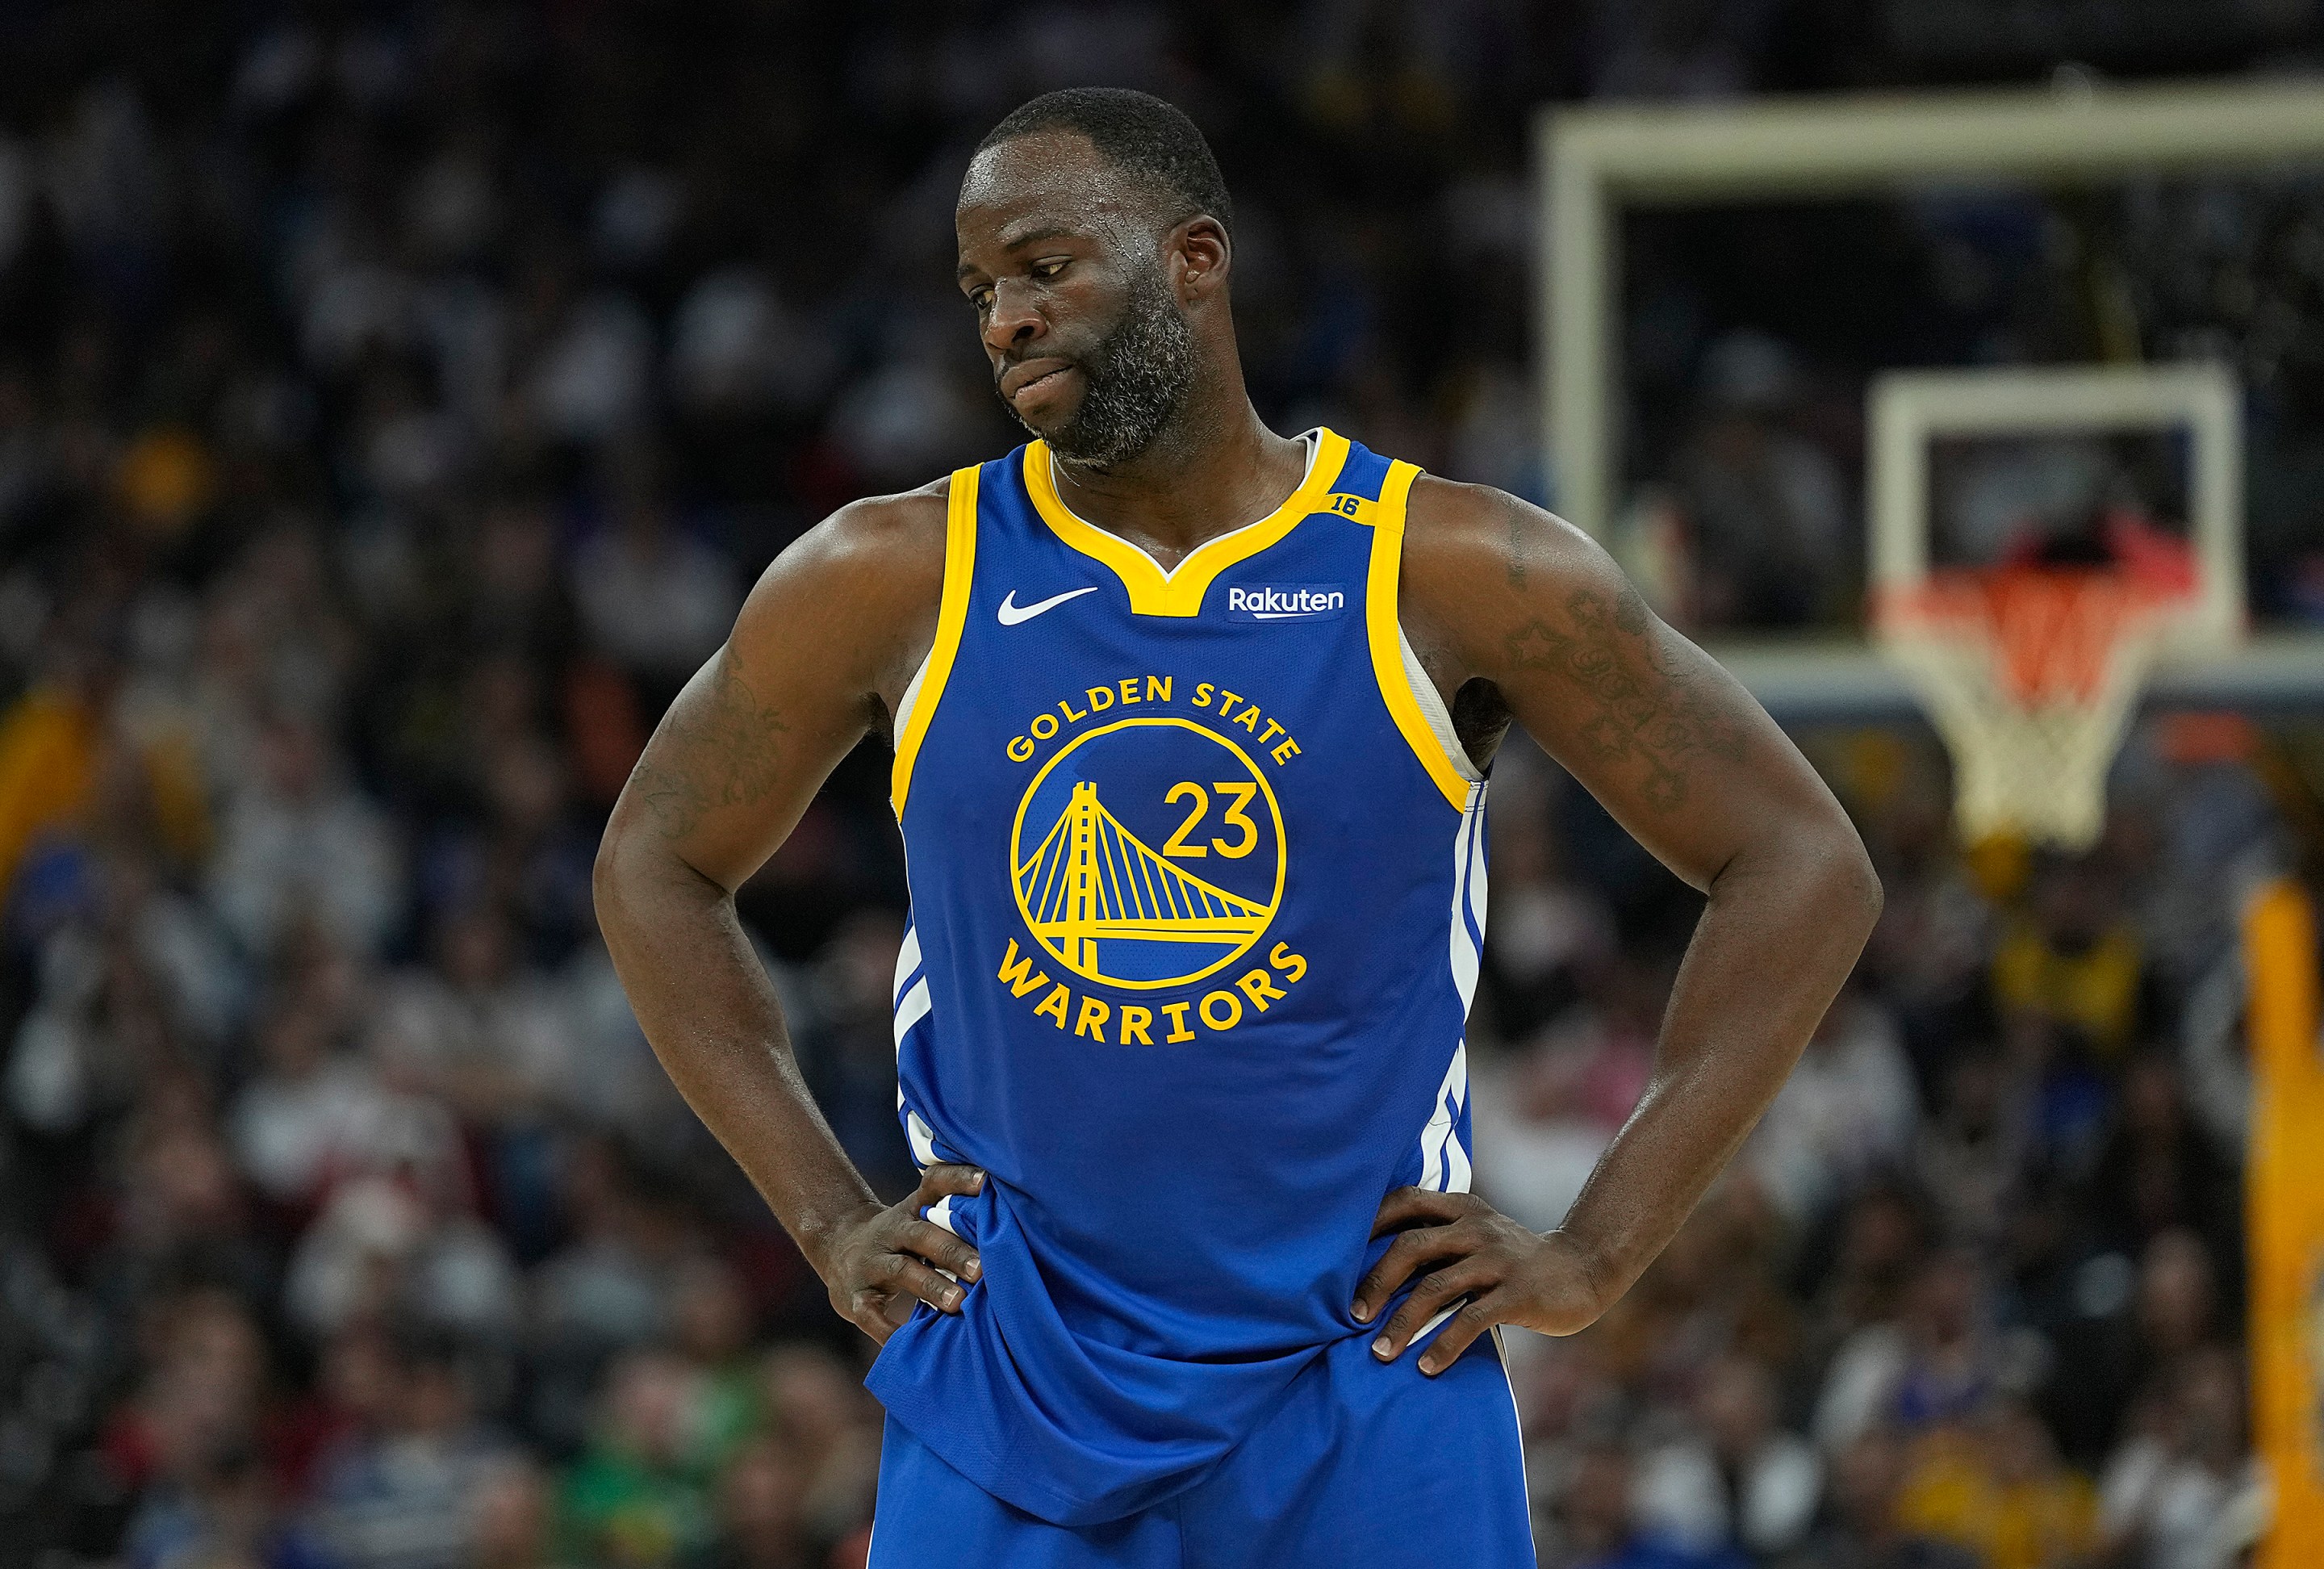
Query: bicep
[1675, 749]
[744, 749]
[734, 763]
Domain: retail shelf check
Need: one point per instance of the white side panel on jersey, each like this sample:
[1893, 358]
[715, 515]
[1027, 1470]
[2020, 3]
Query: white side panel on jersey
[1469, 896]
[1444, 1163]
[907, 959]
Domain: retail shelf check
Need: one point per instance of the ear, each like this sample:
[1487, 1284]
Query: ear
[1202, 257]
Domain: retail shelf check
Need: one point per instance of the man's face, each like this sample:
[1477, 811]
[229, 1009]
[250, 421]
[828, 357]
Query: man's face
[1089, 347]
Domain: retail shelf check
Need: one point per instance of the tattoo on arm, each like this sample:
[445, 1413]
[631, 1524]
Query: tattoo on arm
[723, 753]
[1644, 706]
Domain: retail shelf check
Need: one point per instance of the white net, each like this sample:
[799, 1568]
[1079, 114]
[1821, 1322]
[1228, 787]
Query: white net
[2030, 675]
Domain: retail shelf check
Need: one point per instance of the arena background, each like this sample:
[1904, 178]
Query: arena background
[395, 401]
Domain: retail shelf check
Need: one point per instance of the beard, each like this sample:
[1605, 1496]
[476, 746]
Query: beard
[1132, 382]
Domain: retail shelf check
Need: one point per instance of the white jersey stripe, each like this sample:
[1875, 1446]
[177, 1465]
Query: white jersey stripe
[923, 1139]
[907, 959]
[1464, 947]
[1456, 1096]
[1440, 1155]
[914, 1008]
[1477, 869]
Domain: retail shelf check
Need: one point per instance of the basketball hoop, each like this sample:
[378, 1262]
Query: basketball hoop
[2030, 673]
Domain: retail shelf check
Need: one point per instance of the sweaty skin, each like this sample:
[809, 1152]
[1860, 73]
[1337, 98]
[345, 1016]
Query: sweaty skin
[1516, 615]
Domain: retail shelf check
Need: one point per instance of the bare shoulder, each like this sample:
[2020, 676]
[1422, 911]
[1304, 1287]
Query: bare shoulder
[882, 544]
[1472, 534]
[1480, 565]
[859, 591]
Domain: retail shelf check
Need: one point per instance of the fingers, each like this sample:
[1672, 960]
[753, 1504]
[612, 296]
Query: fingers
[941, 1248]
[1406, 1254]
[1409, 1207]
[893, 1260]
[1430, 1297]
[1480, 1315]
[893, 1288]
[911, 1277]
[938, 1181]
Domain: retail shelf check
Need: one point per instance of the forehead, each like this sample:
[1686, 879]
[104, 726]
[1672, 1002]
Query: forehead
[1042, 183]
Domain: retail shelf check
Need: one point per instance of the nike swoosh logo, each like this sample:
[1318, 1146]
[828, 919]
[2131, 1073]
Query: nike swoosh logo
[1013, 612]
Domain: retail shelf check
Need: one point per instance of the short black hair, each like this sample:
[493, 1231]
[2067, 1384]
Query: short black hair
[1134, 132]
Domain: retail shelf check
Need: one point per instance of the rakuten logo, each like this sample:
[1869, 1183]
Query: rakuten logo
[1291, 601]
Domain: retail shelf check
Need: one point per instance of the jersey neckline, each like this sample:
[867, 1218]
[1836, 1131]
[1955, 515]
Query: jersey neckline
[1178, 591]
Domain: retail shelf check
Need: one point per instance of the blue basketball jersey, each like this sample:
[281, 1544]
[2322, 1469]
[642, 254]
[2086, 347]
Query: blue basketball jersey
[1198, 889]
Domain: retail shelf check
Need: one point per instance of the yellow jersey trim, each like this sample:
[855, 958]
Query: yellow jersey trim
[1179, 591]
[952, 619]
[1383, 632]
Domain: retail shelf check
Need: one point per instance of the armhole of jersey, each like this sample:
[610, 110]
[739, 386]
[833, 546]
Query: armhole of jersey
[918, 705]
[1433, 710]
[1427, 730]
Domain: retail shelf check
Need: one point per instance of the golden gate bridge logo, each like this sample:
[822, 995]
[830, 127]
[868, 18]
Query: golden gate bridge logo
[1108, 904]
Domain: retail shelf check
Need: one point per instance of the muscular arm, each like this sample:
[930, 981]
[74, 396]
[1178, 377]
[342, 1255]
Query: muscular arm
[822, 650]
[1504, 595]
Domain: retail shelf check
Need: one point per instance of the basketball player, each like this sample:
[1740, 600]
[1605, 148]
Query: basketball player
[1190, 724]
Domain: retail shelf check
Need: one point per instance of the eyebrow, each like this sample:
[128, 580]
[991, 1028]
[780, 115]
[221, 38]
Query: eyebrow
[1052, 232]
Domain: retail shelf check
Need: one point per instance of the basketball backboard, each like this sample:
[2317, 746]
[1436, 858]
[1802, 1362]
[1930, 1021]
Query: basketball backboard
[1597, 162]
[2042, 539]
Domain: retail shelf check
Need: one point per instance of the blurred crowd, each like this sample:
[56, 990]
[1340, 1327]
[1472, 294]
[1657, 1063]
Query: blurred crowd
[1973, 1292]
[395, 401]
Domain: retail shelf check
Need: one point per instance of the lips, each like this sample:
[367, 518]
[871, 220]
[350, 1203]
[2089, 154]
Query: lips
[1019, 380]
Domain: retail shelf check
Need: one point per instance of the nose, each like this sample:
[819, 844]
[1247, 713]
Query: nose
[1014, 323]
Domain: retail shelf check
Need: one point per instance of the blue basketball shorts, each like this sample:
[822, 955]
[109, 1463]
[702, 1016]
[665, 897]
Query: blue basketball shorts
[1363, 1463]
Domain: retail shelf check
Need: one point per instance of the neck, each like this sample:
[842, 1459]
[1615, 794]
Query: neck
[1214, 467]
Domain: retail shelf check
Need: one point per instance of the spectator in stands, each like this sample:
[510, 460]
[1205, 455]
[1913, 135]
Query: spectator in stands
[1935, 1365]
[1743, 1484]
[1552, 932]
[2182, 1492]
[652, 598]
[632, 1498]
[710, 1330]
[196, 1403]
[2072, 959]
[2158, 1171]
[352, 1400]
[1881, 1237]
[1994, 1486]
[473, 1029]
[1849, 1110]
[1971, 1158]
[404, 1246]
[1865, 1531]
[50, 739]
[301, 843]
[817, 1405]
[316, 1113]
[404, 1497]
[177, 1212]
[1770, 528]
[513, 1518]
[2106, 1361]
[1600, 1527]
[607, 1290]
[760, 1497]
[1543, 1113]
[228, 1515]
